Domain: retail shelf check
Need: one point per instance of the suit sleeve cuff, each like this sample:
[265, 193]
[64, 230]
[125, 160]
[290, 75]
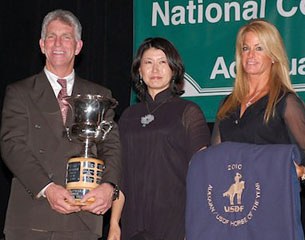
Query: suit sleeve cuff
[42, 192]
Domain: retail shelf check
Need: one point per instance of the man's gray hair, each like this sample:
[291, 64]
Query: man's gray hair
[64, 16]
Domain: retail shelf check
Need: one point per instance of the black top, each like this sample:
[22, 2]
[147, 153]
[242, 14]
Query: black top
[286, 127]
[155, 163]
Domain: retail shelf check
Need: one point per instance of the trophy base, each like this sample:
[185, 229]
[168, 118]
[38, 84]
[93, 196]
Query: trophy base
[79, 203]
[83, 175]
[78, 195]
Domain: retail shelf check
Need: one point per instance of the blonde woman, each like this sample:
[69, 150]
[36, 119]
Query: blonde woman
[263, 107]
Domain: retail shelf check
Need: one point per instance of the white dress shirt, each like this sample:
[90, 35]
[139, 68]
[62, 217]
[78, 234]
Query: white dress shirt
[56, 86]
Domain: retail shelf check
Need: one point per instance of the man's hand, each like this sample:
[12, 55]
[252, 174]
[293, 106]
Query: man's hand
[60, 199]
[102, 196]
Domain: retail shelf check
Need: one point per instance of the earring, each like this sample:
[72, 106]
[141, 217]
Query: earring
[272, 61]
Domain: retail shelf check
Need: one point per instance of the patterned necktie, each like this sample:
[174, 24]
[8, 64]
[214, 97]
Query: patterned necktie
[63, 104]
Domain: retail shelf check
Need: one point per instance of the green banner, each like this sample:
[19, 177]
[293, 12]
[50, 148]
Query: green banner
[204, 32]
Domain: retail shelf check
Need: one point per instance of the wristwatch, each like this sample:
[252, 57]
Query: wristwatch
[116, 192]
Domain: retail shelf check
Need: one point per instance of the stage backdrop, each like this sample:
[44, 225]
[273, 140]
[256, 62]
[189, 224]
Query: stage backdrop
[204, 32]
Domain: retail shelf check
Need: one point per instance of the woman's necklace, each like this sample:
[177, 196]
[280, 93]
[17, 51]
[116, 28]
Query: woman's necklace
[148, 118]
[251, 100]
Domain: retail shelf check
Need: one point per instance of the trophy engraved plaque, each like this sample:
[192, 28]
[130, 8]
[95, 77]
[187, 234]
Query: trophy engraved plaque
[85, 171]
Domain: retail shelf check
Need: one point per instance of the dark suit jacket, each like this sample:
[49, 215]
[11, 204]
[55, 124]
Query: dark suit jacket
[36, 151]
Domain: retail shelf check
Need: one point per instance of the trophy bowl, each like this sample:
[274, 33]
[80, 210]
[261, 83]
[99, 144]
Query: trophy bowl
[85, 171]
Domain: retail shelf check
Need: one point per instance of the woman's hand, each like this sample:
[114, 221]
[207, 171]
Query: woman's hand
[117, 207]
[300, 171]
[114, 231]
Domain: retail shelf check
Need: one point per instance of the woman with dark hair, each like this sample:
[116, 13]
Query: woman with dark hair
[159, 135]
[174, 63]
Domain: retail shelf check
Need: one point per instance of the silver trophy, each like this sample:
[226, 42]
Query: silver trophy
[84, 172]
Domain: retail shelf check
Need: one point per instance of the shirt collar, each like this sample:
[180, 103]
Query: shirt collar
[56, 86]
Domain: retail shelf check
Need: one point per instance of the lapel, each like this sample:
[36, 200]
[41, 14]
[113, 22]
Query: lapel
[44, 98]
[79, 86]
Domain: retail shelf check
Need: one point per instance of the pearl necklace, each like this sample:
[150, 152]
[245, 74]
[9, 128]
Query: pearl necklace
[148, 118]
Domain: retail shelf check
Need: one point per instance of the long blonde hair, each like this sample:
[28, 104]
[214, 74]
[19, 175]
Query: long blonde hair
[279, 81]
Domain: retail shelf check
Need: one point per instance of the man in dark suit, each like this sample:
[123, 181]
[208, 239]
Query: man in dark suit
[36, 151]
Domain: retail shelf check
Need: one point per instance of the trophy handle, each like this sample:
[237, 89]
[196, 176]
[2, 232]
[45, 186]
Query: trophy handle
[105, 127]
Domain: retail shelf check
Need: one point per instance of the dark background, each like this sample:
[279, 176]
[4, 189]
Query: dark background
[105, 58]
